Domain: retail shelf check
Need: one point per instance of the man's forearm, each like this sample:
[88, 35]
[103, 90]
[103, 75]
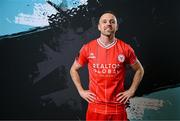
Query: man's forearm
[137, 79]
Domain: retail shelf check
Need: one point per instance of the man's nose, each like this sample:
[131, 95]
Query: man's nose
[108, 23]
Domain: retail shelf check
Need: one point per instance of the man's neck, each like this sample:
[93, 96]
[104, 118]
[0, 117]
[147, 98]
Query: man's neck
[106, 40]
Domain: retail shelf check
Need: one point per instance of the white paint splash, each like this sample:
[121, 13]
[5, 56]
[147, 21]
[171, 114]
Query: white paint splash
[69, 4]
[39, 16]
[76, 3]
[139, 104]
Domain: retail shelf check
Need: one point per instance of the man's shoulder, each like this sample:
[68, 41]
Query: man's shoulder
[122, 43]
[91, 42]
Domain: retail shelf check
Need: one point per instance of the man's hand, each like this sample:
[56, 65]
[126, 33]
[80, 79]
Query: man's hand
[123, 97]
[87, 95]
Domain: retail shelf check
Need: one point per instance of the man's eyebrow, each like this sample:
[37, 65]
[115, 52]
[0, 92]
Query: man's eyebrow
[107, 19]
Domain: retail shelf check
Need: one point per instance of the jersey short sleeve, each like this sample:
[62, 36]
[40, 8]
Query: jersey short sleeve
[131, 57]
[81, 58]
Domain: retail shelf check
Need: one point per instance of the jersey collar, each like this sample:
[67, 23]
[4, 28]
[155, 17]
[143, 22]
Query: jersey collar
[106, 46]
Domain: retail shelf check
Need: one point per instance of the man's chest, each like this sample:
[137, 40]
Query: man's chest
[106, 61]
[106, 56]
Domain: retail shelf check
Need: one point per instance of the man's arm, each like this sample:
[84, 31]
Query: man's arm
[85, 94]
[139, 72]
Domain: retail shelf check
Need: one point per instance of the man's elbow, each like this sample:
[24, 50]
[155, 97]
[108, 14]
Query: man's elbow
[141, 70]
[71, 70]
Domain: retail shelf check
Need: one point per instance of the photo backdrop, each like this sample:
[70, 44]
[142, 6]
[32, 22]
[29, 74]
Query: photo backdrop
[39, 40]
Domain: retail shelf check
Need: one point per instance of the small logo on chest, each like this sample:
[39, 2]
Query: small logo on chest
[121, 58]
[91, 55]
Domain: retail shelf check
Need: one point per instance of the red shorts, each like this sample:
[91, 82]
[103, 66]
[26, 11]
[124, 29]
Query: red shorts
[94, 116]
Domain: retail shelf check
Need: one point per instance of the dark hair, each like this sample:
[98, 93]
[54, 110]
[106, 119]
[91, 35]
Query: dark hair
[109, 11]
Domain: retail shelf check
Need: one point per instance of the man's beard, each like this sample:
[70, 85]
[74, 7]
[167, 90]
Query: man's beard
[108, 32]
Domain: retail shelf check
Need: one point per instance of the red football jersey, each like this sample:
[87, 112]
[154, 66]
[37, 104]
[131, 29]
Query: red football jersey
[106, 65]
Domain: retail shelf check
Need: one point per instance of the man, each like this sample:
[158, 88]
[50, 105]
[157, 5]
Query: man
[107, 58]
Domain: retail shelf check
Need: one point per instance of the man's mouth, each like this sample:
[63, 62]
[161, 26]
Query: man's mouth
[108, 28]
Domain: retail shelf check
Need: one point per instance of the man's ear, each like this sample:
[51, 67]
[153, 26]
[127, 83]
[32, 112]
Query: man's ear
[99, 27]
[117, 27]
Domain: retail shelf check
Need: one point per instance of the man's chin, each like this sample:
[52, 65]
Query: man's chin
[108, 33]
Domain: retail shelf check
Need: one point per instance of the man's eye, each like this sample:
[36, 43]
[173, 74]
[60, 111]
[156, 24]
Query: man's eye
[113, 22]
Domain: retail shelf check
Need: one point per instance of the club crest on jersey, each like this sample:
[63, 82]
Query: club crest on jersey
[121, 58]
